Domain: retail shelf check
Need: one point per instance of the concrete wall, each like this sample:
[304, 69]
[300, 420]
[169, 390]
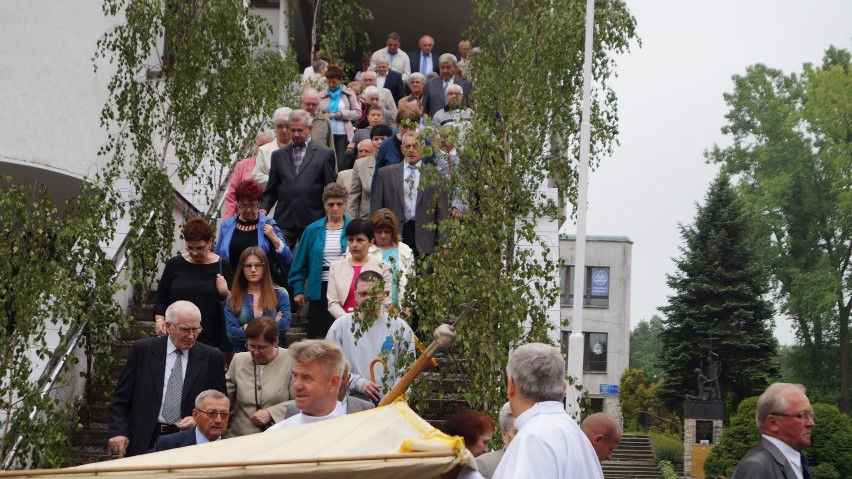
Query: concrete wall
[613, 319]
[51, 95]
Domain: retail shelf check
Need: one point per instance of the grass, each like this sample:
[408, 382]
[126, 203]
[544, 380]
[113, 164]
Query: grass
[667, 448]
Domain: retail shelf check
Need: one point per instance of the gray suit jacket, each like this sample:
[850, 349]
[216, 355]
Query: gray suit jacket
[388, 192]
[487, 463]
[359, 188]
[765, 461]
[353, 404]
[297, 197]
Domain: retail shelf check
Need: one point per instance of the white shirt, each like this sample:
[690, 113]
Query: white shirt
[170, 362]
[549, 445]
[380, 80]
[201, 438]
[793, 456]
[302, 418]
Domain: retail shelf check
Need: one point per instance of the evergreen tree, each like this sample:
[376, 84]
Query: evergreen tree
[645, 346]
[718, 305]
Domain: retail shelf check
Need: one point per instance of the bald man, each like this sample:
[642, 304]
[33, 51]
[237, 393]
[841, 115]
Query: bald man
[604, 434]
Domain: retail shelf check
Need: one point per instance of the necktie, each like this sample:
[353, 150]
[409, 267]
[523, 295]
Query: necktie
[298, 156]
[444, 92]
[174, 390]
[410, 192]
[423, 64]
[806, 470]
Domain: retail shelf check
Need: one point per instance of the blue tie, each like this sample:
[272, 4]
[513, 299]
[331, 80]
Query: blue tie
[423, 63]
[806, 470]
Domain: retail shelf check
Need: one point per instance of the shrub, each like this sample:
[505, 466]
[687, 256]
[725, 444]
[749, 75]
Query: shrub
[667, 469]
[737, 439]
[824, 471]
[667, 448]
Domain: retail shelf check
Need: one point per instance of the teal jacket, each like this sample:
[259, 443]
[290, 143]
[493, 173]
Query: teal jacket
[307, 263]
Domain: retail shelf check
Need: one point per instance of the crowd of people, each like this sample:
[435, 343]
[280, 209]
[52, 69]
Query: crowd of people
[327, 222]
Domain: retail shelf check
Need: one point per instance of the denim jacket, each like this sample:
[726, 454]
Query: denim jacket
[233, 323]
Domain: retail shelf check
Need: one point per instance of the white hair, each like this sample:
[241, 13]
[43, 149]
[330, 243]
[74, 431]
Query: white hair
[382, 57]
[453, 86]
[282, 113]
[447, 58]
[416, 76]
[538, 371]
[369, 91]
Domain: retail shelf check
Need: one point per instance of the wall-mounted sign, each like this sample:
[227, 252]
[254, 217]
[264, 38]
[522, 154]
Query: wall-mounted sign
[600, 282]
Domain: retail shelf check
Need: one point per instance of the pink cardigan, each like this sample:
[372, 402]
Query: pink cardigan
[242, 172]
[349, 106]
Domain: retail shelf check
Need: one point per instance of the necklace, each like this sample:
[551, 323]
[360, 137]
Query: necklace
[247, 225]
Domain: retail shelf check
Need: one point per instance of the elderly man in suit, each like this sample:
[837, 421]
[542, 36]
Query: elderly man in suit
[398, 59]
[397, 187]
[212, 412]
[785, 419]
[320, 123]
[156, 391]
[389, 79]
[297, 175]
[434, 96]
[424, 60]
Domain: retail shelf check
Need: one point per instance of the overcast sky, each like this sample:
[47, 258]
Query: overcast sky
[671, 110]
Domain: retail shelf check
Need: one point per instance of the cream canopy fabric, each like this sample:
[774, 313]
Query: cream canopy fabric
[386, 442]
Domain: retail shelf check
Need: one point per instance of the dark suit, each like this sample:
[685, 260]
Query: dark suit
[389, 192]
[298, 195]
[416, 59]
[433, 93]
[176, 440]
[765, 461]
[394, 83]
[138, 396]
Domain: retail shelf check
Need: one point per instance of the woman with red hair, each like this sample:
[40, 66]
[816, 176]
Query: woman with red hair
[252, 228]
[475, 427]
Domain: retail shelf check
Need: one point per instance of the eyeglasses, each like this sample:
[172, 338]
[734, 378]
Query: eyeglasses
[213, 414]
[189, 330]
[799, 415]
[252, 206]
[251, 266]
[335, 204]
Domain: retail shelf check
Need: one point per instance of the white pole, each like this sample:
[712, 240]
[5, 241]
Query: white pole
[283, 28]
[575, 341]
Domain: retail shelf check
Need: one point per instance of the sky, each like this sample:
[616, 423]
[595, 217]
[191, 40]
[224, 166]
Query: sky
[671, 110]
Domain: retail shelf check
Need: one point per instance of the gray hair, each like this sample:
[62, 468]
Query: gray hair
[506, 419]
[538, 371]
[366, 142]
[265, 136]
[454, 87]
[382, 57]
[370, 91]
[210, 393]
[300, 116]
[178, 307]
[282, 113]
[328, 353]
[416, 76]
[447, 58]
[772, 400]
[319, 65]
[368, 72]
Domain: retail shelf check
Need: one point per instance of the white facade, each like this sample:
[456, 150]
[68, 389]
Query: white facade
[606, 317]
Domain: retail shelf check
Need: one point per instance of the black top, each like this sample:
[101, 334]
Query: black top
[241, 240]
[196, 283]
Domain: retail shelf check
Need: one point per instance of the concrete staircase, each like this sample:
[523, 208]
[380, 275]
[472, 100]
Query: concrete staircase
[89, 443]
[632, 459]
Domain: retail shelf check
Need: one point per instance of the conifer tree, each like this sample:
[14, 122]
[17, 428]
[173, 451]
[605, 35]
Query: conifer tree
[719, 305]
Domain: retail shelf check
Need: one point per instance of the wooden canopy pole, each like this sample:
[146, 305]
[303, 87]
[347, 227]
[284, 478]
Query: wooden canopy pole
[445, 334]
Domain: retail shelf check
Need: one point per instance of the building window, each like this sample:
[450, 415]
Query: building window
[594, 351]
[596, 286]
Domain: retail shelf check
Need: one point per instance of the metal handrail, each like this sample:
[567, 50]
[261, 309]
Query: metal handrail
[77, 334]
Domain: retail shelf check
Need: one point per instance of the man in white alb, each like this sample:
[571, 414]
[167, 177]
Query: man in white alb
[548, 444]
[317, 372]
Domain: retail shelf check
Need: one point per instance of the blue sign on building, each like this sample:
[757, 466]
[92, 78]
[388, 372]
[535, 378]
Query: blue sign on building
[608, 389]
[600, 282]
